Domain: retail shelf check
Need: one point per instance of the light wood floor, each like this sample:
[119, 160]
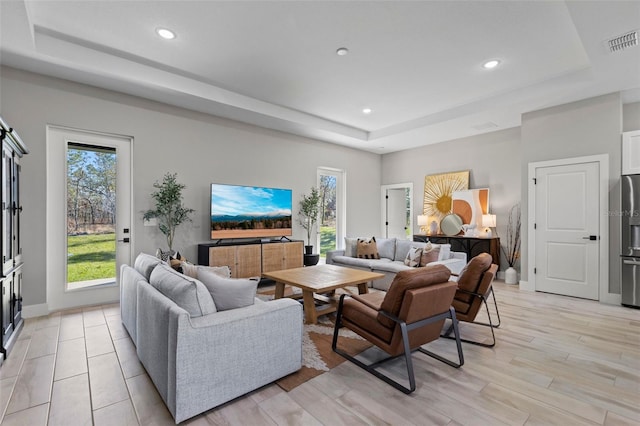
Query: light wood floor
[558, 361]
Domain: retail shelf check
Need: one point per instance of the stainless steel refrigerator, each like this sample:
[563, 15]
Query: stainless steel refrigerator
[630, 254]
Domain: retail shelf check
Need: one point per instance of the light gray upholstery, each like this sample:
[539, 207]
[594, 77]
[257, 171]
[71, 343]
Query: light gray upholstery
[228, 293]
[199, 363]
[386, 247]
[389, 266]
[129, 279]
[145, 263]
[188, 293]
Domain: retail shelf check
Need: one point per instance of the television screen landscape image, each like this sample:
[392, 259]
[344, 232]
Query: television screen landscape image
[250, 211]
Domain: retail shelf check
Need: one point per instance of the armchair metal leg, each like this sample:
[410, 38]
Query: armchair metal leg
[404, 329]
[447, 334]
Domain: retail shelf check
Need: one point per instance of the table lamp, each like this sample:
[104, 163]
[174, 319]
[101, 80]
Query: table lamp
[423, 221]
[488, 221]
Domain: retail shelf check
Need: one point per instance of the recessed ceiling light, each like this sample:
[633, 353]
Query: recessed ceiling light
[165, 33]
[342, 51]
[491, 64]
[366, 110]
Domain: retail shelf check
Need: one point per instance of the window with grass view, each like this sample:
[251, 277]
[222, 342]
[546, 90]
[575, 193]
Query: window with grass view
[91, 210]
[328, 217]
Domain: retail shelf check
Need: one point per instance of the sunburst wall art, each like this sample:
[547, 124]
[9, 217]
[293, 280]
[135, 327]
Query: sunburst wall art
[438, 191]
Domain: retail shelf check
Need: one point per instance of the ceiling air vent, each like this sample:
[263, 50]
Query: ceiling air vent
[624, 41]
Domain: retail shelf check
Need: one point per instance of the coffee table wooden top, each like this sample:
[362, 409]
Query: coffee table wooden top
[322, 278]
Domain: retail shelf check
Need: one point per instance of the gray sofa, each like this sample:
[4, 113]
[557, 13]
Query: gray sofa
[197, 357]
[392, 253]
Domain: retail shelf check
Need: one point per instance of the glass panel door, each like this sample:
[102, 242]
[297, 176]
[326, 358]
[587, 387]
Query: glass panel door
[91, 215]
[331, 220]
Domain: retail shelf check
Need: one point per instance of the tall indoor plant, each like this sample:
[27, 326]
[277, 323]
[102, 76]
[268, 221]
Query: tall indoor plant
[512, 252]
[308, 214]
[169, 209]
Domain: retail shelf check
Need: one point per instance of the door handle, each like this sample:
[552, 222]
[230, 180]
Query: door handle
[124, 240]
[631, 262]
[591, 238]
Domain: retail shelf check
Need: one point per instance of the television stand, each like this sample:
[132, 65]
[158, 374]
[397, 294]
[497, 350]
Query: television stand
[252, 258]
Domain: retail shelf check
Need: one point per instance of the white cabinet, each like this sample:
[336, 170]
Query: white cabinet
[631, 153]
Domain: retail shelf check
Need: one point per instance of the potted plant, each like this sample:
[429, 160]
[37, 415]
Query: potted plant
[308, 214]
[512, 252]
[169, 209]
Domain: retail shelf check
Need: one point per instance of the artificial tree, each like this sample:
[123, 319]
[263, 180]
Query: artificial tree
[169, 209]
[308, 214]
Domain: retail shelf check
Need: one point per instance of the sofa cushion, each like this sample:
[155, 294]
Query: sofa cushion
[367, 249]
[403, 246]
[145, 263]
[386, 247]
[394, 267]
[353, 261]
[413, 257]
[229, 293]
[350, 245]
[445, 251]
[191, 270]
[429, 254]
[186, 292]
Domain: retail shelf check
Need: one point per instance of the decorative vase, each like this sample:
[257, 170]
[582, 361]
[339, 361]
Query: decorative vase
[308, 249]
[511, 275]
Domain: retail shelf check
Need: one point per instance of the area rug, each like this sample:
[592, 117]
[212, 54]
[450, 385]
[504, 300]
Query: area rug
[317, 355]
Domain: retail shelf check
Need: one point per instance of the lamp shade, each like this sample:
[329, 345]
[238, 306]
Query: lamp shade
[489, 220]
[423, 220]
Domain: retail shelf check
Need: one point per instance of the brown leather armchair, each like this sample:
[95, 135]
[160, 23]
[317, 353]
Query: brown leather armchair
[411, 314]
[474, 287]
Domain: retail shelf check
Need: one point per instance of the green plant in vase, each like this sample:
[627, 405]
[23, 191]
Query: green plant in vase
[308, 214]
[168, 210]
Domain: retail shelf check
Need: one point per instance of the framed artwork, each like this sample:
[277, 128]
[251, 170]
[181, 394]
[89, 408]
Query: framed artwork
[470, 205]
[438, 192]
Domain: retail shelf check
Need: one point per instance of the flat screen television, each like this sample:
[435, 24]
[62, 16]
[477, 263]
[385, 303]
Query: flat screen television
[250, 211]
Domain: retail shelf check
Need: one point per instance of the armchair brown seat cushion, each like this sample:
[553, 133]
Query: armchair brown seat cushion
[411, 314]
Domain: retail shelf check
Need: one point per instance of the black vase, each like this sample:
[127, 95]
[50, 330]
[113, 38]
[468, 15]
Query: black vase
[308, 249]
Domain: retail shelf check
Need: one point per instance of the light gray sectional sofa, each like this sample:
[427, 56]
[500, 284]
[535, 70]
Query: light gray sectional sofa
[393, 252]
[197, 357]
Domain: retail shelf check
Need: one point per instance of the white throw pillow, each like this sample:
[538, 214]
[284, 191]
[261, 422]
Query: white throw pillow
[191, 270]
[413, 257]
[350, 245]
[228, 293]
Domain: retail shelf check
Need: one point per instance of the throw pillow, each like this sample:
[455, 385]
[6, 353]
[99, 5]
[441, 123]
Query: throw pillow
[413, 257]
[350, 245]
[164, 255]
[229, 293]
[145, 263]
[429, 254]
[191, 270]
[188, 293]
[367, 249]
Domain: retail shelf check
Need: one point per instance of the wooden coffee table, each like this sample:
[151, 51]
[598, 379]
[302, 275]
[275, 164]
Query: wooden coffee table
[318, 280]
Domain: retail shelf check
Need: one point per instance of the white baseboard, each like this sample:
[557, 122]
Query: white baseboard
[611, 299]
[32, 311]
[524, 285]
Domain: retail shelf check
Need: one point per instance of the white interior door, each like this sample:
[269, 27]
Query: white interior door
[60, 294]
[567, 234]
[397, 217]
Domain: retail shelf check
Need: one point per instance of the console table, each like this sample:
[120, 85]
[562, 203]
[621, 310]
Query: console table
[252, 258]
[472, 246]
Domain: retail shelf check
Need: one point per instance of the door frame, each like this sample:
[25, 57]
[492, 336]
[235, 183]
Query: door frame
[341, 201]
[383, 204]
[603, 163]
[108, 293]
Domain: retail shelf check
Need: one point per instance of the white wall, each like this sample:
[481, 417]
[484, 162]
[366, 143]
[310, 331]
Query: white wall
[202, 149]
[493, 160]
[631, 117]
[589, 127]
